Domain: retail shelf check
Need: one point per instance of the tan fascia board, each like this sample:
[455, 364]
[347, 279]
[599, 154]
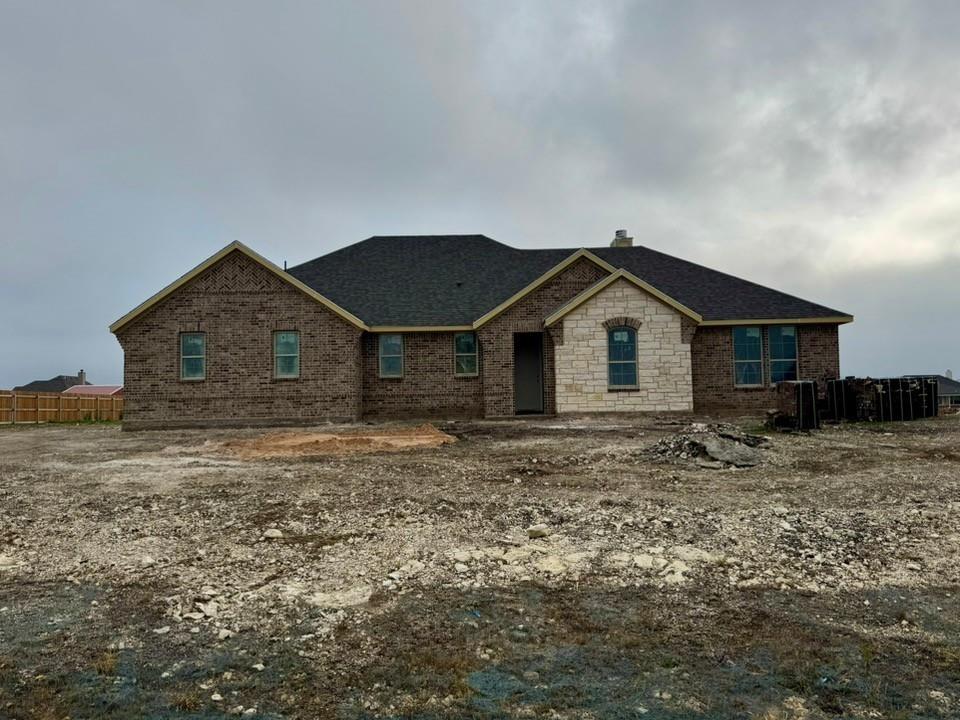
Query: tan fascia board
[828, 320]
[257, 258]
[419, 328]
[551, 273]
[621, 274]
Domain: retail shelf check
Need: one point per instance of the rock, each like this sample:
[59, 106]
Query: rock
[216, 697]
[236, 710]
[462, 556]
[689, 553]
[250, 711]
[209, 609]
[915, 567]
[194, 616]
[538, 531]
[551, 564]
[147, 561]
[731, 451]
[6, 561]
[643, 561]
[272, 534]
[162, 630]
[341, 598]
[516, 554]
[225, 634]
[620, 559]
[461, 568]
[259, 667]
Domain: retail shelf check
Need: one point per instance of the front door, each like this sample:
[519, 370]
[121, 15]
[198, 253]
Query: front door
[528, 372]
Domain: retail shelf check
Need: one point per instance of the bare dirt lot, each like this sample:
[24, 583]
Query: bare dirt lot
[157, 575]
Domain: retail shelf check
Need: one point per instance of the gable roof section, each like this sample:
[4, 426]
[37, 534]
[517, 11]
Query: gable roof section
[461, 281]
[610, 280]
[945, 385]
[213, 260]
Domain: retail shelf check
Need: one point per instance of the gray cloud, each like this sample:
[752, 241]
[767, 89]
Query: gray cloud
[809, 146]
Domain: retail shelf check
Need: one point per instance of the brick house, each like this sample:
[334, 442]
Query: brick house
[463, 326]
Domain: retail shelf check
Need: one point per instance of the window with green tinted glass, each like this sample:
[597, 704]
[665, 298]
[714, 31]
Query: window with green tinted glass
[286, 354]
[622, 357]
[748, 356]
[465, 353]
[391, 355]
[193, 356]
[783, 353]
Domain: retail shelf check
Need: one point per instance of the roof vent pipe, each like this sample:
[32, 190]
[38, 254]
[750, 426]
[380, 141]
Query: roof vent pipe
[620, 239]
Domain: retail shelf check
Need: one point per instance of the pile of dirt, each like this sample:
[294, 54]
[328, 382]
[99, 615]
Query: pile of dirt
[312, 444]
[714, 445]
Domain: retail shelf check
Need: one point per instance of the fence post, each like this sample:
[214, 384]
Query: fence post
[13, 408]
[36, 405]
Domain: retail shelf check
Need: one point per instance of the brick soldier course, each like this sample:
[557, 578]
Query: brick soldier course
[429, 288]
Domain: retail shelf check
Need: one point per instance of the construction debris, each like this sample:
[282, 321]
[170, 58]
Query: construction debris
[713, 445]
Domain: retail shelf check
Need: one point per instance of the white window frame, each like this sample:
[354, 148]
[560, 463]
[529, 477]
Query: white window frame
[380, 355]
[475, 355]
[277, 355]
[733, 343]
[183, 357]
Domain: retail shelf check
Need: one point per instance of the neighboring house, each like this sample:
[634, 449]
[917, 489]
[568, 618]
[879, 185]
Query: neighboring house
[461, 325]
[115, 390]
[948, 389]
[55, 384]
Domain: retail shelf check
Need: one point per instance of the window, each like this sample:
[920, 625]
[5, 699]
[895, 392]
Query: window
[783, 353]
[622, 357]
[286, 354]
[391, 356]
[747, 356]
[465, 353]
[193, 356]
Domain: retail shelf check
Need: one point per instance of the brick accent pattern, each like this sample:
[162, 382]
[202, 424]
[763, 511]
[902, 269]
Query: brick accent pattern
[714, 391]
[527, 315]
[239, 304]
[663, 357]
[428, 387]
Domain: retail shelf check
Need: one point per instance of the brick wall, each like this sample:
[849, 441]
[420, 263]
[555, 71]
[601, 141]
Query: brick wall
[712, 364]
[527, 315]
[428, 387]
[238, 304]
[663, 355]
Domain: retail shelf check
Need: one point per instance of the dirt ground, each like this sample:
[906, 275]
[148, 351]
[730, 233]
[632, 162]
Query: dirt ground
[154, 575]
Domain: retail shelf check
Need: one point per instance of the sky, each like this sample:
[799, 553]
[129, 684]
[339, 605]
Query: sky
[809, 146]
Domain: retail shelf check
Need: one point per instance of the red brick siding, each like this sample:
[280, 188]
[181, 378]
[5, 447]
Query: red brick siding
[238, 304]
[428, 387]
[712, 358]
[527, 315]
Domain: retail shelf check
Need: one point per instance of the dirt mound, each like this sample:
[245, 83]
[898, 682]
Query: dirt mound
[309, 444]
[712, 445]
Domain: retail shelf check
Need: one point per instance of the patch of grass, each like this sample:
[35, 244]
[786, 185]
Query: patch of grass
[106, 664]
[186, 701]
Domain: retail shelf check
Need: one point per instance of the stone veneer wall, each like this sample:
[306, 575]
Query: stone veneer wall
[663, 355]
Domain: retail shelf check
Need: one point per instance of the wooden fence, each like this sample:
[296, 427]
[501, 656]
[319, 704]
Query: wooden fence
[27, 407]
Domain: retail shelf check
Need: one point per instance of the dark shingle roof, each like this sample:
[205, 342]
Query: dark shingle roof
[455, 279]
[55, 384]
[945, 385]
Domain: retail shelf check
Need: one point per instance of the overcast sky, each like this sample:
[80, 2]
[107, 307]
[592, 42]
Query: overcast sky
[808, 146]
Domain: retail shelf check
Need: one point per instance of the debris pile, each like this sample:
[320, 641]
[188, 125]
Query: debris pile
[714, 445]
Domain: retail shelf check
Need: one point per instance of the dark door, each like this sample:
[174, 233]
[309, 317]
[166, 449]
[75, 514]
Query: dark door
[528, 372]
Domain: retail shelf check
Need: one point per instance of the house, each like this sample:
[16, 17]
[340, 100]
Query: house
[462, 325]
[948, 389]
[112, 390]
[55, 384]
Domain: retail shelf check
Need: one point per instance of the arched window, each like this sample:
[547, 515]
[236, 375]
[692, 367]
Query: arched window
[622, 356]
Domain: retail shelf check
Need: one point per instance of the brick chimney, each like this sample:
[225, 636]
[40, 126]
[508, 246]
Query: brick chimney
[81, 377]
[620, 239]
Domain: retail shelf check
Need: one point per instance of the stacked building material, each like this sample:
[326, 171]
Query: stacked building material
[797, 405]
[880, 399]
